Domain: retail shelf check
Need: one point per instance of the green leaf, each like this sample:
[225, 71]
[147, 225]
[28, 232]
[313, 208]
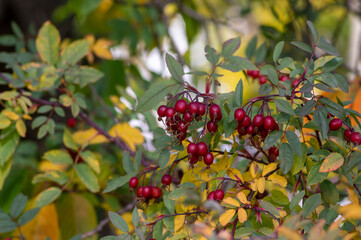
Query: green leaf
[294, 142]
[138, 159]
[91, 160]
[296, 199]
[177, 193]
[329, 192]
[311, 204]
[305, 47]
[43, 130]
[329, 79]
[118, 222]
[46, 197]
[332, 162]
[75, 51]
[332, 64]
[271, 139]
[313, 30]
[261, 53]
[269, 207]
[315, 176]
[8, 144]
[153, 96]
[278, 50]
[69, 141]
[243, 63]
[87, 177]
[54, 176]
[6, 224]
[279, 197]
[164, 158]
[7, 40]
[127, 163]
[174, 67]
[251, 47]
[58, 157]
[284, 106]
[342, 82]
[211, 55]
[307, 108]
[265, 89]
[18, 205]
[286, 157]
[4, 172]
[230, 46]
[238, 94]
[327, 47]
[272, 75]
[59, 111]
[47, 43]
[117, 182]
[28, 216]
[135, 217]
[299, 161]
[83, 75]
[16, 30]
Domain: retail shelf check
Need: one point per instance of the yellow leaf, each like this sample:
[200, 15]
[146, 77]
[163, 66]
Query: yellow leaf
[101, 48]
[87, 136]
[242, 197]
[253, 169]
[332, 162]
[4, 122]
[288, 233]
[20, 127]
[254, 185]
[242, 215]
[222, 163]
[130, 135]
[231, 201]
[44, 225]
[45, 166]
[235, 173]
[179, 222]
[352, 196]
[280, 180]
[226, 217]
[261, 184]
[269, 168]
[351, 211]
[10, 114]
[317, 232]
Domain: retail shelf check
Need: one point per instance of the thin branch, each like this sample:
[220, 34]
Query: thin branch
[105, 221]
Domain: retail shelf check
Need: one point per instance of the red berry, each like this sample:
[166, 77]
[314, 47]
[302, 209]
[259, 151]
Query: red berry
[250, 130]
[356, 138]
[269, 123]
[218, 195]
[162, 110]
[249, 72]
[212, 127]
[347, 134]
[193, 158]
[140, 192]
[181, 106]
[335, 124]
[262, 79]
[167, 179]
[133, 182]
[192, 148]
[187, 116]
[170, 112]
[201, 109]
[215, 112]
[208, 158]
[202, 149]
[246, 121]
[258, 120]
[147, 192]
[283, 78]
[156, 192]
[193, 107]
[239, 114]
[211, 196]
[255, 74]
[273, 151]
[71, 122]
[182, 126]
[181, 136]
[263, 133]
[241, 130]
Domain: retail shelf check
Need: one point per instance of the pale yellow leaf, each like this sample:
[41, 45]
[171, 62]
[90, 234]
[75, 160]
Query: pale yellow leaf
[352, 196]
[20, 127]
[242, 197]
[130, 135]
[254, 185]
[235, 174]
[4, 122]
[253, 169]
[261, 184]
[10, 114]
[277, 179]
[179, 222]
[226, 216]
[317, 232]
[269, 168]
[222, 163]
[289, 233]
[101, 48]
[89, 136]
[231, 201]
[242, 215]
[351, 211]
[44, 225]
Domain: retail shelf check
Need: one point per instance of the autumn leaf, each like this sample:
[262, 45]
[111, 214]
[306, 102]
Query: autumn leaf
[242, 197]
[277, 179]
[289, 233]
[101, 48]
[261, 184]
[269, 168]
[227, 216]
[332, 162]
[231, 201]
[242, 215]
[351, 211]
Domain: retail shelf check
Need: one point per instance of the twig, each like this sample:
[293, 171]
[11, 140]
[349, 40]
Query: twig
[357, 188]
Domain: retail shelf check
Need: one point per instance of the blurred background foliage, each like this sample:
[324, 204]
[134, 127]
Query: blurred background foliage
[128, 41]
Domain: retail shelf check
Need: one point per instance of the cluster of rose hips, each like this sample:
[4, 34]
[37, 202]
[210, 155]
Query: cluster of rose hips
[149, 192]
[197, 151]
[349, 134]
[262, 79]
[260, 124]
[216, 195]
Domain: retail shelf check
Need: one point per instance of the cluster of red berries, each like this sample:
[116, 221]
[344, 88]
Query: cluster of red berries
[273, 153]
[216, 195]
[197, 151]
[349, 134]
[149, 192]
[256, 75]
[260, 124]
